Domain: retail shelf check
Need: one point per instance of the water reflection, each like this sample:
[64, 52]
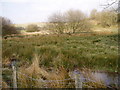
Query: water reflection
[107, 78]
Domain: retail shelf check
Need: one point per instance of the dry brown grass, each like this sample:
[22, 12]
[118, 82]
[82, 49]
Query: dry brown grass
[40, 74]
[4, 85]
[61, 74]
[6, 62]
[104, 33]
[33, 71]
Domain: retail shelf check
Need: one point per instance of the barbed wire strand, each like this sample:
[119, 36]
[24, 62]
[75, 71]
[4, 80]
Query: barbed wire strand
[62, 81]
[46, 80]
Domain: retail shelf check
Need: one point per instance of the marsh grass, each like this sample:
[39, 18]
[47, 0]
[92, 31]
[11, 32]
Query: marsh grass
[61, 53]
[94, 52]
[40, 75]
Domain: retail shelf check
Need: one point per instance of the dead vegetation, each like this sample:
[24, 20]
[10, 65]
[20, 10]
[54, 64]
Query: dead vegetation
[42, 78]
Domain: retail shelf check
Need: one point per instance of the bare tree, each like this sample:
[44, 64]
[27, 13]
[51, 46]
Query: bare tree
[119, 13]
[69, 22]
[118, 7]
[57, 21]
[108, 18]
[93, 14]
[5, 21]
[112, 4]
[76, 20]
[56, 17]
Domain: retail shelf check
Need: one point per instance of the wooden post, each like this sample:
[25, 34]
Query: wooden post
[78, 81]
[14, 75]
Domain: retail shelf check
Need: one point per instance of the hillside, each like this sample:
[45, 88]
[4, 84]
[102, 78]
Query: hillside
[40, 24]
[95, 28]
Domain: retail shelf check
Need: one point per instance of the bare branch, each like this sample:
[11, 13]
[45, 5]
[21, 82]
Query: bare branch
[110, 4]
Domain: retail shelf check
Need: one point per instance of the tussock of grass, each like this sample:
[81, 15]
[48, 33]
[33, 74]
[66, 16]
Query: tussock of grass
[4, 85]
[61, 74]
[6, 62]
[38, 73]
[33, 71]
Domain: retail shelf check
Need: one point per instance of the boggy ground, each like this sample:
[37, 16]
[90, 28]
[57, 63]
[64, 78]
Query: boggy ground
[94, 51]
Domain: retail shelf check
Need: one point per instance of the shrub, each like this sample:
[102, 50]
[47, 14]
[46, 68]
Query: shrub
[7, 27]
[105, 18]
[8, 30]
[32, 28]
[108, 18]
[57, 21]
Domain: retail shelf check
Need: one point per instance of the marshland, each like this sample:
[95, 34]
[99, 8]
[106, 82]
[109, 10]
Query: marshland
[51, 54]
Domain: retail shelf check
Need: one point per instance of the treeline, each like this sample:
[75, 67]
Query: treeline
[104, 18]
[74, 21]
[71, 21]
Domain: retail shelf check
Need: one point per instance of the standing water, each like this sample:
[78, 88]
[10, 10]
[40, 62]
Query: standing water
[107, 78]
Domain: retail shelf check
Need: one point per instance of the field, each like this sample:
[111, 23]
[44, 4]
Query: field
[68, 48]
[95, 52]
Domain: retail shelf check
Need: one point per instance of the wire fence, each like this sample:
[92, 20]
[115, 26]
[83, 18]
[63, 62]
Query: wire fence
[55, 81]
[60, 82]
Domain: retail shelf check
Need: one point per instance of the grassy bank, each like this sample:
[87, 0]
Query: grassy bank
[98, 52]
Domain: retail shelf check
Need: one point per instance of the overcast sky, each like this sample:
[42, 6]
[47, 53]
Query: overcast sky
[24, 11]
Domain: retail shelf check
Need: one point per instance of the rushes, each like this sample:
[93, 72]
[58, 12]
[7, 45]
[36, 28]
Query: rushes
[62, 53]
[71, 49]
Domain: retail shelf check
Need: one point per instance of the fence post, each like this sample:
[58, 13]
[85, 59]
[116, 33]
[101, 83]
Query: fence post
[78, 81]
[14, 74]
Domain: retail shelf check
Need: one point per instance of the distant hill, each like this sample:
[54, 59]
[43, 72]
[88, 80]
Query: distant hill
[40, 24]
